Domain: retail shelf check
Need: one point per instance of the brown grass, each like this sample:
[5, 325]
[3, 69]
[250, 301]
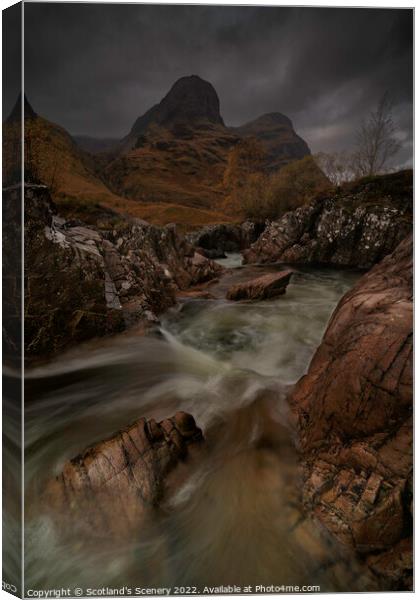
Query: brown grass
[81, 193]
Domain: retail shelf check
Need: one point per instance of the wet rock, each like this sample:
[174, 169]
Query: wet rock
[261, 288]
[354, 417]
[213, 241]
[69, 296]
[84, 283]
[112, 486]
[395, 565]
[197, 294]
[356, 225]
[214, 254]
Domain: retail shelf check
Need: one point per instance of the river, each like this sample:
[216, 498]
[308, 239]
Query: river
[234, 520]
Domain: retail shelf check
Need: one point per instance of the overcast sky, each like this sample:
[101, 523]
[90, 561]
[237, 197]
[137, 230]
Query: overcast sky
[95, 68]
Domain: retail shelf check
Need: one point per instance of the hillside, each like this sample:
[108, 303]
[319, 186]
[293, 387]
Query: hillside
[53, 158]
[182, 165]
[171, 166]
[75, 176]
[279, 139]
[177, 151]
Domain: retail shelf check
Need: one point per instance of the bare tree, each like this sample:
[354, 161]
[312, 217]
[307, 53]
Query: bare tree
[375, 141]
[337, 166]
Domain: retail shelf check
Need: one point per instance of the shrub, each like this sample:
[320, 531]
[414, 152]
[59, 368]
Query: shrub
[269, 196]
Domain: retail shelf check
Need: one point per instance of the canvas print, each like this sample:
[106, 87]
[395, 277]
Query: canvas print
[207, 284]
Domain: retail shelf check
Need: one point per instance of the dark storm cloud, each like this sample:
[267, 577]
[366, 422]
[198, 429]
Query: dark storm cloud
[95, 68]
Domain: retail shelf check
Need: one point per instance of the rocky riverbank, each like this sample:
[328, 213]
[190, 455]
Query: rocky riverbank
[355, 226]
[214, 241]
[84, 282]
[351, 412]
[354, 418]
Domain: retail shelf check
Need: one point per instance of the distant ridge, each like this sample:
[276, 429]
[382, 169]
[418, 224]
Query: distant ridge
[276, 133]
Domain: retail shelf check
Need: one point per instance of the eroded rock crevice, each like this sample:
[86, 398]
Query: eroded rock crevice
[353, 412]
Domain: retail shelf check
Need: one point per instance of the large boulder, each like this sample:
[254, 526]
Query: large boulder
[69, 297]
[82, 282]
[261, 288]
[353, 412]
[112, 486]
[356, 225]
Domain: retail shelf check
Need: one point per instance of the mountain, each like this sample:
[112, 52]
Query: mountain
[177, 151]
[190, 100]
[183, 164]
[171, 166]
[77, 179]
[280, 141]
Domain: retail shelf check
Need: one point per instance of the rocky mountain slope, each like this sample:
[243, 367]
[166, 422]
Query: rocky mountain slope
[177, 152]
[354, 418]
[183, 165]
[356, 225]
[78, 180]
[190, 100]
[54, 159]
[169, 168]
[279, 139]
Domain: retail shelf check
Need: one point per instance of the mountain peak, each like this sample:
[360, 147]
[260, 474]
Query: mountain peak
[280, 140]
[16, 113]
[190, 99]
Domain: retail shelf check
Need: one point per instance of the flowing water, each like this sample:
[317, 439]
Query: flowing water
[235, 520]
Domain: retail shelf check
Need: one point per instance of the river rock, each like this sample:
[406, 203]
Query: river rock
[356, 225]
[112, 485]
[82, 282]
[354, 418]
[261, 288]
[213, 241]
